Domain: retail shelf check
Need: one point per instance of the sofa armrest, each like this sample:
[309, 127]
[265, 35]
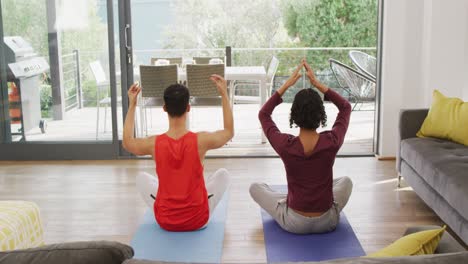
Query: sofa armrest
[409, 123]
[102, 252]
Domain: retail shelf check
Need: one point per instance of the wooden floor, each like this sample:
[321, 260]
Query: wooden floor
[93, 200]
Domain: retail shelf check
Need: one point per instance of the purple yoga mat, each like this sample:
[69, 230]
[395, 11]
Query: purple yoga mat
[282, 246]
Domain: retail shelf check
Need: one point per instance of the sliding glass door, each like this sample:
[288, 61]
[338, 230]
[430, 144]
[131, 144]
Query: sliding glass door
[58, 80]
[66, 65]
[195, 31]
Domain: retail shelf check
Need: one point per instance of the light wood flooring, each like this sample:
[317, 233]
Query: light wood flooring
[95, 200]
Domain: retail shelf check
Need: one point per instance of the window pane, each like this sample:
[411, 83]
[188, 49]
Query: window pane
[58, 84]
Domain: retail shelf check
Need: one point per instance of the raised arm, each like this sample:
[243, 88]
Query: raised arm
[342, 120]
[217, 139]
[273, 134]
[137, 146]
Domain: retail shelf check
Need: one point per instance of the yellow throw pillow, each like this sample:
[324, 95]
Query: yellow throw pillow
[447, 119]
[420, 243]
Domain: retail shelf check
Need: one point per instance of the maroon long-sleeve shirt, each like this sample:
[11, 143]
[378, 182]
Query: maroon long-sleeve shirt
[310, 178]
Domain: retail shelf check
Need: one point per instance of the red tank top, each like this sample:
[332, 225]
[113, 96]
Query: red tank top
[182, 201]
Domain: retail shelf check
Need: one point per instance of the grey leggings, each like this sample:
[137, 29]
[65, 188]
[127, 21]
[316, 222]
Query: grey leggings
[275, 204]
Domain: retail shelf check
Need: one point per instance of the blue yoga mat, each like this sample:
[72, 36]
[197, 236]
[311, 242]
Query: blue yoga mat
[154, 243]
[282, 246]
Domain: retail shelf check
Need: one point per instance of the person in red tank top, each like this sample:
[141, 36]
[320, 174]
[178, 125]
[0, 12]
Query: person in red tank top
[182, 199]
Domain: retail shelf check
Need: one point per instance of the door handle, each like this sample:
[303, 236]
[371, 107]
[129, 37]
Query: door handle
[127, 27]
[127, 46]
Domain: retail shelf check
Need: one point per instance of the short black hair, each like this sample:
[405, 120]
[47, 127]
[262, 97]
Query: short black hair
[307, 110]
[176, 99]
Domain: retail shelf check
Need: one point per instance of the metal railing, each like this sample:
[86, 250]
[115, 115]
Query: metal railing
[72, 80]
[289, 57]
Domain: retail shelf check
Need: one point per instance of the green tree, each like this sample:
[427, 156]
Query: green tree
[26, 19]
[220, 23]
[331, 23]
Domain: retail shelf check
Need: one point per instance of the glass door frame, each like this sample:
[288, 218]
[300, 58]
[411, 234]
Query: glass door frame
[4, 114]
[126, 60]
[60, 150]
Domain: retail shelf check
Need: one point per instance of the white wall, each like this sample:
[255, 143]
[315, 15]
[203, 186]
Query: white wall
[425, 47]
[401, 61]
[448, 68]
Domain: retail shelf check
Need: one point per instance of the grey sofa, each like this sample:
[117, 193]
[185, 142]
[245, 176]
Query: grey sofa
[448, 251]
[436, 169]
[95, 252]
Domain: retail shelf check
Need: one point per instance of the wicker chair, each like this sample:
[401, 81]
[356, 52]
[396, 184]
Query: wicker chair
[365, 63]
[358, 85]
[177, 61]
[199, 83]
[154, 80]
[203, 91]
[204, 60]
[271, 72]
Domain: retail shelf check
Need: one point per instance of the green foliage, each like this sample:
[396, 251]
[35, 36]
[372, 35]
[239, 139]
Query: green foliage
[331, 23]
[26, 19]
[46, 100]
[220, 23]
[89, 93]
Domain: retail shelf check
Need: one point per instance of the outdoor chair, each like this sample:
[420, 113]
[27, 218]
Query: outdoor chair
[271, 72]
[102, 87]
[175, 60]
[358, 85]
[205, 60]
[154, 80]
[365, 63]
[203, 91]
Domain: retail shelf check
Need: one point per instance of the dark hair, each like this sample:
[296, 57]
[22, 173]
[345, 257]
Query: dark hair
[307, 110]
[176, 99]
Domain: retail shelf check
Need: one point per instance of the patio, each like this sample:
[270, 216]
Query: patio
[80, 125]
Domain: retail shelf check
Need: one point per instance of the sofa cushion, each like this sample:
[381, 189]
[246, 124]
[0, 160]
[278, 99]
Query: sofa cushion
[20, 225]
[101, 252]
[447, 243]
[443, 165]
[447, 119]
[420, 243]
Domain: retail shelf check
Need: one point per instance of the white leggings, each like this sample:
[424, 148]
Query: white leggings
[216, 185]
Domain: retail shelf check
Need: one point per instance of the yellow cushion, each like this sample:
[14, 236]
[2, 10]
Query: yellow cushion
[20, 225]
[420, 243]
[447, 119]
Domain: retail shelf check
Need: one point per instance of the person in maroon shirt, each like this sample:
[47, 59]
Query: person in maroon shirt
[314, 199]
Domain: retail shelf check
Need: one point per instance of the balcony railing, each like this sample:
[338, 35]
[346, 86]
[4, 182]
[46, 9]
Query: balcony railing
[79, 82]
[72, 80]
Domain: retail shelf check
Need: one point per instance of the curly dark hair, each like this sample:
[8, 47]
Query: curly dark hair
[307, 110]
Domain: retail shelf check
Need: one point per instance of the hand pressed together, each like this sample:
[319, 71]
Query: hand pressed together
[296, 76]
